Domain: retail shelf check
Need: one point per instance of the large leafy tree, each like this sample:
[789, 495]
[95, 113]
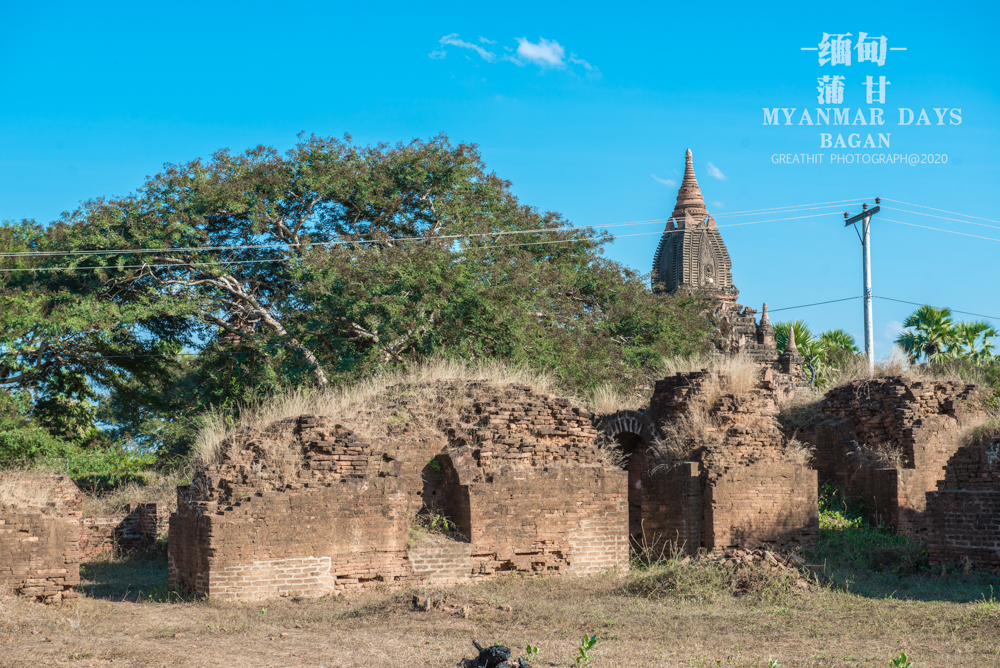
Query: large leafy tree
[331, 261]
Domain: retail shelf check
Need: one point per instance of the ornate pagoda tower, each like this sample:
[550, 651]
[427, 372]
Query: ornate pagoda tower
[691, 254]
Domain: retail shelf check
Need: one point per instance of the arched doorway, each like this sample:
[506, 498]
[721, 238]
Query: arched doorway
[632, 433]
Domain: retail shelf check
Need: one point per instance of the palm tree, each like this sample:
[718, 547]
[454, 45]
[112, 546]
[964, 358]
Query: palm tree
[811, 348]
[968, 343]
[838, 339]
[931, 334]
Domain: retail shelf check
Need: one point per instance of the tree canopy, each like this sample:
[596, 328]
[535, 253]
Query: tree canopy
[222, 280]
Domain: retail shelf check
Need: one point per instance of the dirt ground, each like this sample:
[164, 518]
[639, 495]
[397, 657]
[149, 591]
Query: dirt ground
[116, 625]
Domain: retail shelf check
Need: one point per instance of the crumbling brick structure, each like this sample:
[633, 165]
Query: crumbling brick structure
[135, 527]
[40, 547]
[738, 485]
[517, 470]
[922, 421]
[963, 514]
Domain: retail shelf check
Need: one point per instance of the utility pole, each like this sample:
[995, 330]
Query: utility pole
[865, 236]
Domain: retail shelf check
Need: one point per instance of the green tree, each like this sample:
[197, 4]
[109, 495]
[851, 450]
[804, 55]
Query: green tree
[813, 349]
[972, 340]
[931, 334]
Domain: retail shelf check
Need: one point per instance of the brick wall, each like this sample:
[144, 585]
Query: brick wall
[741, 489]
[298, 541]
[963, 514]
[519, 471]
[964, 524]
[925, 420]
[40, 552]
[671, 509]
[134, 528]
[766, 502]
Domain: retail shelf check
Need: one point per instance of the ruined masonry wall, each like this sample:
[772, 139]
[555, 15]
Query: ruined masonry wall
[306, 541]
[771, 502]
[40, 553]
[135, 527]
[924, 419]
[963, 514]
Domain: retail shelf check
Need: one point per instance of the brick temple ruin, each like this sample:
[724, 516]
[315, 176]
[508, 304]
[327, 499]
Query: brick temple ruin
[963, 513]
[521, 473]
[518, 472]
[923, 422]
[40, 544]
[523, 477]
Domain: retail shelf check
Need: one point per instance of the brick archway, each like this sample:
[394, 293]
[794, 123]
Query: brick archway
[631, 422]
[633, 431]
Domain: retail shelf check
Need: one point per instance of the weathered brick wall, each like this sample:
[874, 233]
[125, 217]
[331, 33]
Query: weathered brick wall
[671, 510]
[297, 541]
[749, 490]
[134, 528]
[533, 498]
[964, 524]
[766, 502]
[562, 519]
[925, 420]
[963, 514]
[40, 552]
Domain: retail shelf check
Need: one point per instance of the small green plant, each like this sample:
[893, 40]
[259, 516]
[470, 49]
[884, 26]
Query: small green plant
[773, 663]
[901, 661]
[440, 521]
[585, 655]
[530, 650]
[435, 465]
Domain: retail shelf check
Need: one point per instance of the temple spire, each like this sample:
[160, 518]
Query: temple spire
[689, 198]
[790, 349]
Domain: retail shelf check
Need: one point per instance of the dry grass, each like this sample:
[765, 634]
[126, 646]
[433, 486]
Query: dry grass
[696, 428]
[879, 455]
[693, 429]
[610, 453]
[660, 617]
[610, 399]
[798, 452]
[27, 491]
[730, 375]
[157, 488]
[360, 405]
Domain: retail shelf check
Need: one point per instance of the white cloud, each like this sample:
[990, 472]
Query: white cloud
[454, 40]
[592, 71]
[544, 54]
[716, 172]
[719, 205]
[670, 183]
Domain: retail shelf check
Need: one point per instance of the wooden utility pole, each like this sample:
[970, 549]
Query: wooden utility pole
[865, 236]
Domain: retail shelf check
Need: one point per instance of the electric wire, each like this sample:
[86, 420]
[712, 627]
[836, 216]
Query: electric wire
[565, 228]
[938, 229]
[394, 240]
[931, 215]
[954, 213]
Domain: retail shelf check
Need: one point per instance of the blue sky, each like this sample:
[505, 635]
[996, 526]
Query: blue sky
[587, 108]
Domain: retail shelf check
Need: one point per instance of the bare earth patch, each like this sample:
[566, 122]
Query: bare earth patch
[819, 627]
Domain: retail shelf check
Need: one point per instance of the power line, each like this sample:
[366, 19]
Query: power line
[931, 215]
[832, 301]
[954, 213]
[978, 315]
[566, 228]
[938, 229]
[368, 241]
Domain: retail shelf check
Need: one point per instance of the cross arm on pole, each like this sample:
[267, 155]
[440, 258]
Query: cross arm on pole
[862, 215]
